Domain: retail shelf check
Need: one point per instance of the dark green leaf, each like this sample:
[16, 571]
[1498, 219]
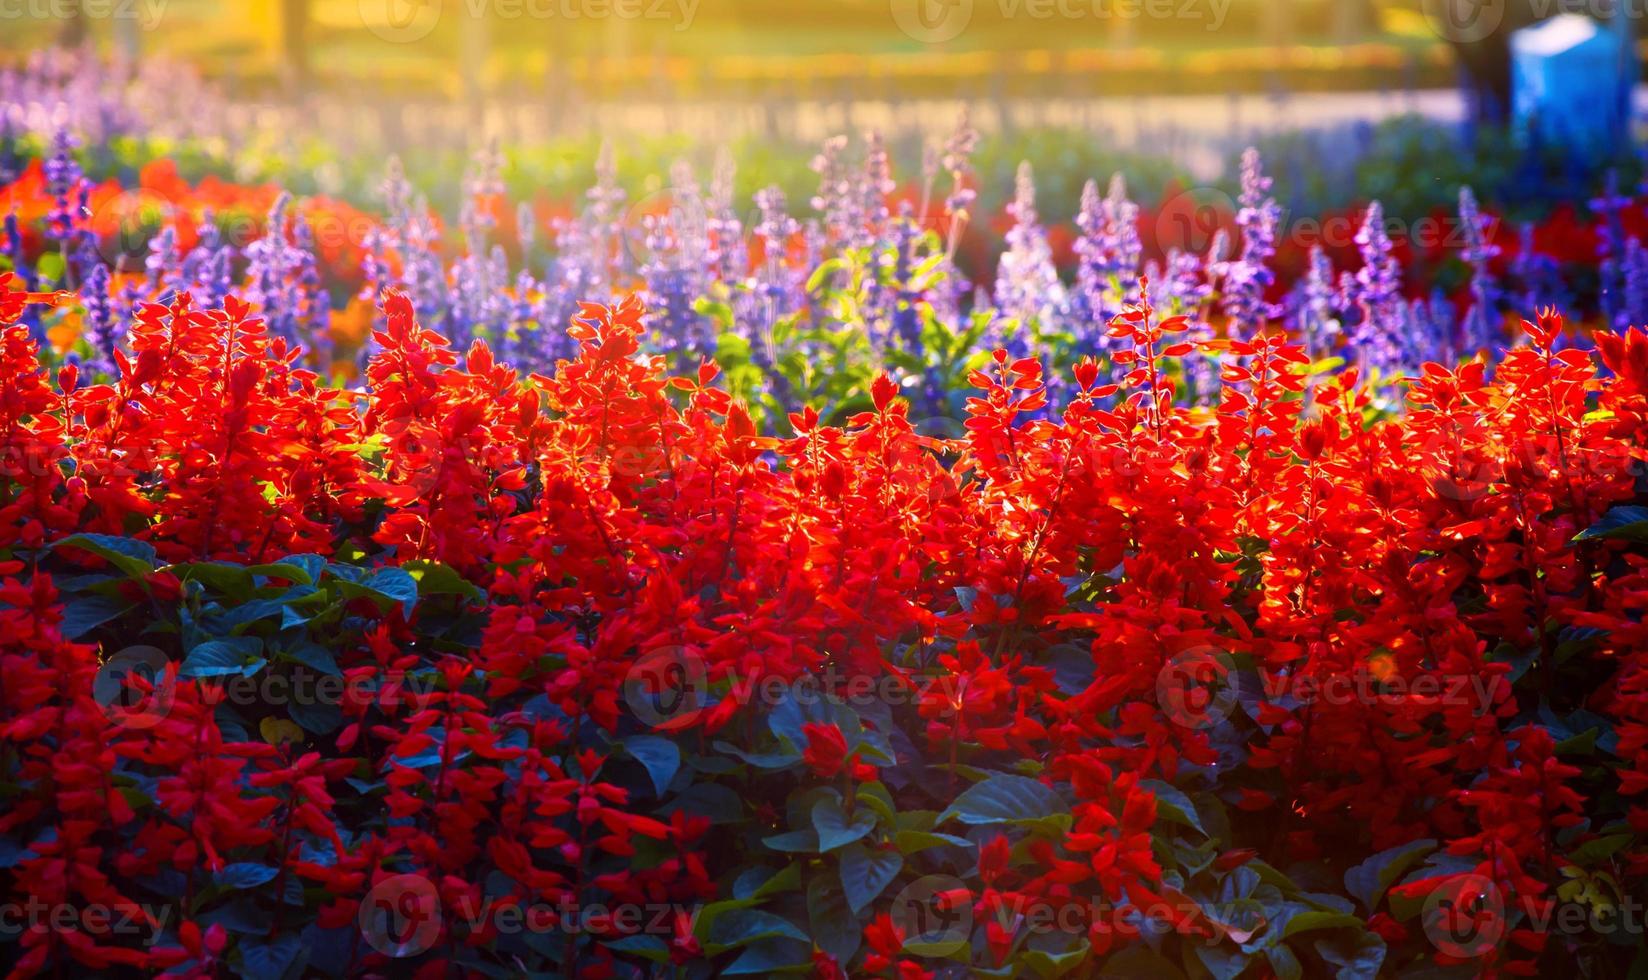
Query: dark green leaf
[84, 613]
[135, 558]
[771, 956]
[866, 873]
[244, 874]
[740, 927]
[1598, 850]
[1369, 880]
[315, 657]
[1005, 798]
[1173, 805]
[269, 959]
[1358, 957]
[660, 756]
[434, 578]
[223, 658]
[1620, 523]
[835, 828]
[290, 571]
[1051, 965]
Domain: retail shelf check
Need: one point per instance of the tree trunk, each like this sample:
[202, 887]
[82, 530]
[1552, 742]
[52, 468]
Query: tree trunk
[294, 44]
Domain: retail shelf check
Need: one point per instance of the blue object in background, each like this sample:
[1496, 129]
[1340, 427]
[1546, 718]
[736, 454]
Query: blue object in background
[1571, 83]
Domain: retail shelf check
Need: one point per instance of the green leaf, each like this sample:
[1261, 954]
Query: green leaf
[1313, 921]
[1223, 962]
[269, 959]
[135, 558]
[1581, 744]
[1369, 880]
[224, 658]
[645, 946]
[794, 842]
[832, 924]
[771, 956]
[704, 924]
[398, 584]
[315, 715]
[916, 841]
[1598, 850]
[1285, 964]
[1005, 798]
[865, 874]
[835, 828]
[222, 577]
[1052, 965]
[761, 760]
[290, 571]
[876, 797]
[1174, 806]
[740, 927]
[84, 613]
[660, 756]
[1619, 524]
[386, 587]
[244, 874]
[313, 656]
[759, 883]
[313, 566]
[1357, 959]
[434, 578]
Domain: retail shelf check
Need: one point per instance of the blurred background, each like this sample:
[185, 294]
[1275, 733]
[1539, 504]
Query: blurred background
[1181, 82]
[1532, 103]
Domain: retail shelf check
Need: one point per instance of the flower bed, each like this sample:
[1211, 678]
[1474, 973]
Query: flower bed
[579, 674]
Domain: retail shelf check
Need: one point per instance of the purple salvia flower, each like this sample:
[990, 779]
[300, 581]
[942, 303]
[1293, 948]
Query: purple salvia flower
[905, 317]
[1481, 329]
[164, 264]
[675, 272]
[1538, 275]
[957, 161]
[835, 200]
[1610, 245]
[929, 174]
[776, 288]
[308, 290]
[1249, 277]
[1634, 308]
[1027, 283]
[1108, 250]
[877, 184]
[14, 252]
[1375, 293]
[602, 236]
[1316, 321]
[729, 252]
[102, 327]
[270, 264]
[482, 181]
[63, 180]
